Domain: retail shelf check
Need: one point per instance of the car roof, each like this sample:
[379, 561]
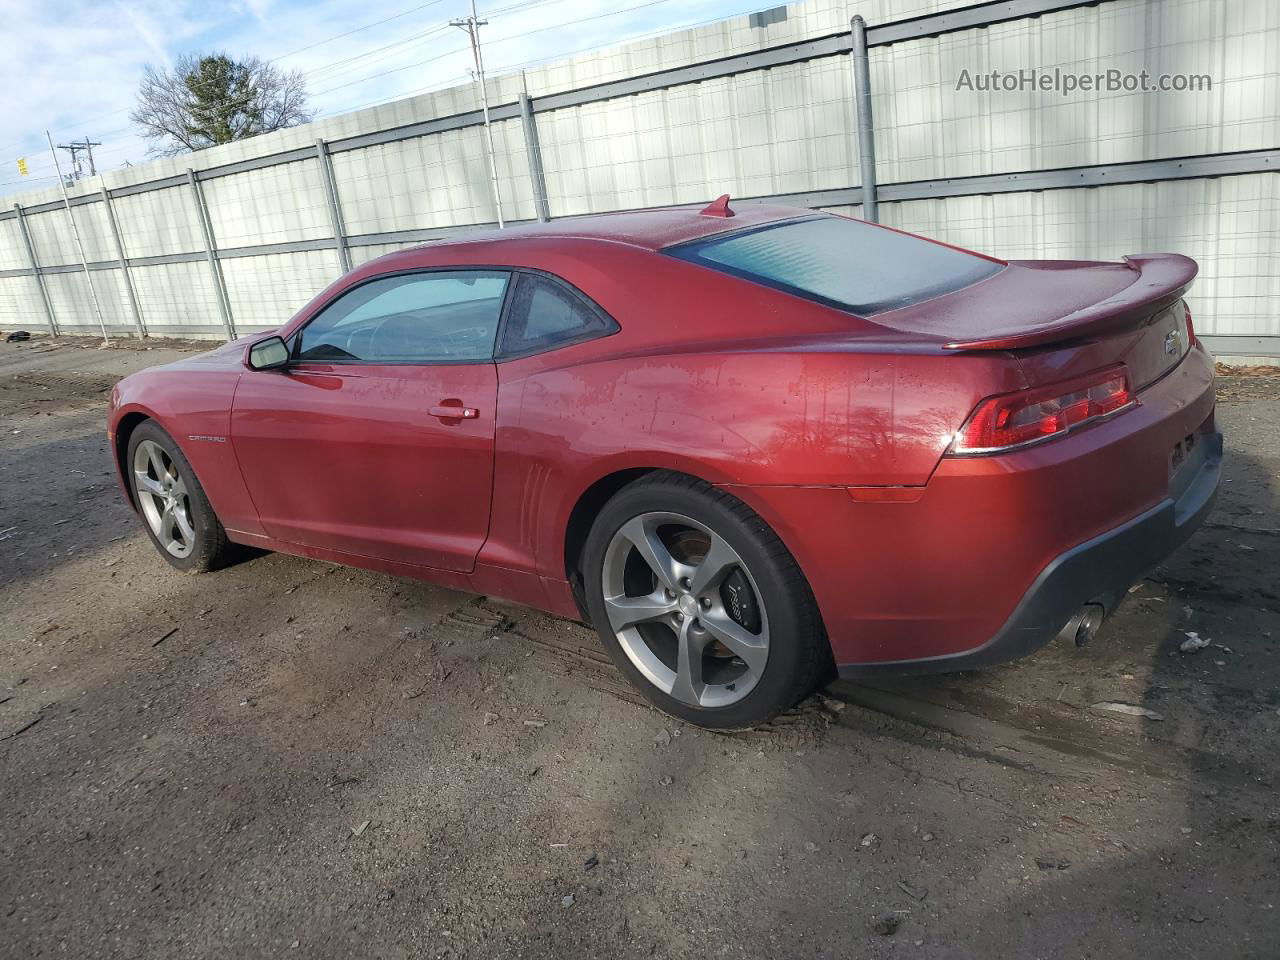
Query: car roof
[650, 229]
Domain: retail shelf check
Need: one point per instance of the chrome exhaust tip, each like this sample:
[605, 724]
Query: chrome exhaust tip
[1083, 626]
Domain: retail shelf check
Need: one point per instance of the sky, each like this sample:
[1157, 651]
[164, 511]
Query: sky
[73, 66]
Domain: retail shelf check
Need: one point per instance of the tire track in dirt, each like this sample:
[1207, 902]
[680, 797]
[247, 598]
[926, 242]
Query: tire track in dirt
[569, 649]
[1063, 747]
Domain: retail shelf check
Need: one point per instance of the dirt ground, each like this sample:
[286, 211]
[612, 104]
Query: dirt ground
[292, 759]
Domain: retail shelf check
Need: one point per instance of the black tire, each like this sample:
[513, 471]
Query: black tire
[209, 548]
[799, 655]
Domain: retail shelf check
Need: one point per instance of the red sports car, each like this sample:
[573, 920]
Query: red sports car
[752, 447]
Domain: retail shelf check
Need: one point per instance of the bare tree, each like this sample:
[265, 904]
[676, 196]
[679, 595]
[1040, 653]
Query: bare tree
[211, 99]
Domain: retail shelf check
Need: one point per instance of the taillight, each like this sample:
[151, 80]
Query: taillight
[1033, 416]
[1191, 331]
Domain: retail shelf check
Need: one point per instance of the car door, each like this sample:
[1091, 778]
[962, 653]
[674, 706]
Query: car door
[377, 438]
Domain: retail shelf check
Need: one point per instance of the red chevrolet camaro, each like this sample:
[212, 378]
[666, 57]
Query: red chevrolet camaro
[752, 447]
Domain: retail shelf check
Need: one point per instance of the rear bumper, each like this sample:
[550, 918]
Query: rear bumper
[1098, 571]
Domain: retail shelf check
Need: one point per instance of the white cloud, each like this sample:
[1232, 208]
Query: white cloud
[259, 9]
[73, 68]
[147, 31]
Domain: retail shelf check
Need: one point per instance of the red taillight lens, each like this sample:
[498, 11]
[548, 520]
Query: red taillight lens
[1019, 419]
[1191, 331]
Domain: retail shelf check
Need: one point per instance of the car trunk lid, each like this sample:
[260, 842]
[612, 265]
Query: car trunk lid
[1060, 317]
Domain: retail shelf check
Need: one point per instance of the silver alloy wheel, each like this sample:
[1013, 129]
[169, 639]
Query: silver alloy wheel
[163, 496]
[686, 602]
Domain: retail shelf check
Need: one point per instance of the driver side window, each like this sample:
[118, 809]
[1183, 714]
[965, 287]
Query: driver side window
[434, 317]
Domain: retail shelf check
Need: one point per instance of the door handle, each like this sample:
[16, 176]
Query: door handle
[453, 410]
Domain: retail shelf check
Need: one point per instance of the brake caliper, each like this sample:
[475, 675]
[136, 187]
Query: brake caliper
[740, 601]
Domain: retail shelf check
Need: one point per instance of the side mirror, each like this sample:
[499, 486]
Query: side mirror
[268, 354]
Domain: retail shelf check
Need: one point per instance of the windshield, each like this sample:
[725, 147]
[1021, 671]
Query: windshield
[850, 264]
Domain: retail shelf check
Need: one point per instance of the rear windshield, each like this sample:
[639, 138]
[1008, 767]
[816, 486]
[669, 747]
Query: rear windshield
[845, 263]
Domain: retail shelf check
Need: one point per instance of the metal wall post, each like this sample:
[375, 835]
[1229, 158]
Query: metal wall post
[219, 285]
[866, 127]
[335, 207]
[35, 270]
[125, 277]
[533, 147]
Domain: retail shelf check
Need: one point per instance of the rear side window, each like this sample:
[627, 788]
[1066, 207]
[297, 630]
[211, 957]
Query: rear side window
[545, 313]
[849, 264]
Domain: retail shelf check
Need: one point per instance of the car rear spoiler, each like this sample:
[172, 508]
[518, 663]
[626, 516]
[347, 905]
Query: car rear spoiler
[1160, 280]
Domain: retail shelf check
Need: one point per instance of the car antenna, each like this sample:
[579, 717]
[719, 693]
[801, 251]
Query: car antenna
[718, 207]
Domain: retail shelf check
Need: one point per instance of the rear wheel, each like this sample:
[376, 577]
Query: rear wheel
[173, 505]
[701, 605]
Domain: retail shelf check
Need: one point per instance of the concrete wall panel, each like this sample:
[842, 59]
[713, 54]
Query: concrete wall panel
[777, 131]
[20, 306]
[13, 252]
[72, 305]
[160, 222]
[54, 241]
[441, 180]
[177, 295]
[271, 205]
[926, 128]
[363, 254]
[267, 291]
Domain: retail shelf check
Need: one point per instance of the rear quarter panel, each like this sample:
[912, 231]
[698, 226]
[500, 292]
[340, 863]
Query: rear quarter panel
[760, 416]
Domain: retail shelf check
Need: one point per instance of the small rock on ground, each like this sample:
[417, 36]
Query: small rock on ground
[886, 924]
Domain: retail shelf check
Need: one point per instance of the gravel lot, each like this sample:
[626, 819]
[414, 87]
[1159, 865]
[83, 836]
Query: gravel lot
[292, 759]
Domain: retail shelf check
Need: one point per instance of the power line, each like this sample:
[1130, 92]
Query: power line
[515, 36]
[576, 20]
[510, 8]
[367, 26]
[324, 68]
[384, 73]
[452, 81]
[524, 5]
[5, 183]
[630, 38]
[329, 71]
[284, 56]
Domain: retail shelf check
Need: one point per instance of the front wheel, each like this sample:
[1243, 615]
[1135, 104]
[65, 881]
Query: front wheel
[701, 605]
[173, 505]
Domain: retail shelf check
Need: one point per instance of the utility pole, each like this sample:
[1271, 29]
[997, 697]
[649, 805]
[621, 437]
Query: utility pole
[75, 230]
[472, 26]
[74, 148]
